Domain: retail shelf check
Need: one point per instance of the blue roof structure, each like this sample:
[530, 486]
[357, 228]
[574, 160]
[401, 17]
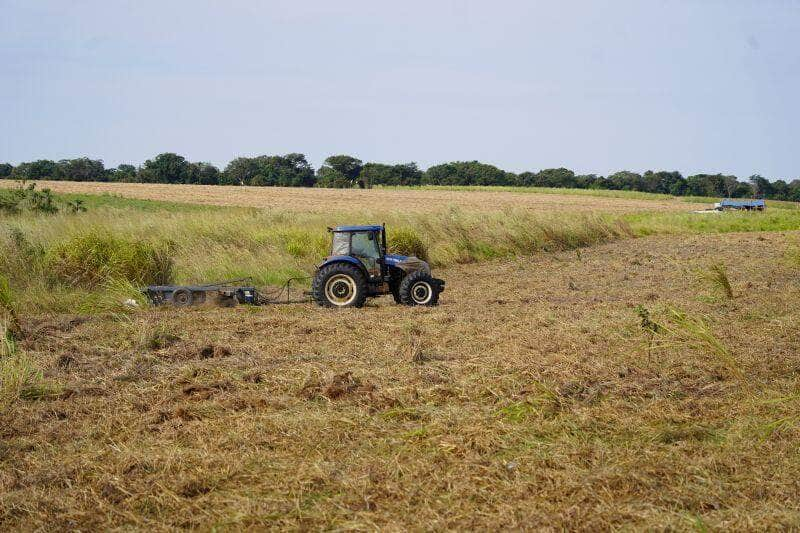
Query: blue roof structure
[358, 228]
[727, 202]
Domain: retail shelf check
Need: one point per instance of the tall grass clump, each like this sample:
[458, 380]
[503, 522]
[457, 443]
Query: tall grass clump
[693, 331]
[717, 276]
[303, 243]
[92, 258]
[406, 241]
[64, 262]
[460, 237]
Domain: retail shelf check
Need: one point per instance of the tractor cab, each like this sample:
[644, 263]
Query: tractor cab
[359, 266]
[365, 244]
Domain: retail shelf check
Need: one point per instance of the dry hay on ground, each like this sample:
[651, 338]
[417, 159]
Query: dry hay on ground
[313, 200]
[527, 400]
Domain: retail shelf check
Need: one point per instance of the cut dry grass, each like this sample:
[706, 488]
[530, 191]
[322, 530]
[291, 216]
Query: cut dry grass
[20, 379]
[518, 403]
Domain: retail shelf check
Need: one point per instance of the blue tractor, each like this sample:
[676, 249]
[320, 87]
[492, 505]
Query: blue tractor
[359, 267]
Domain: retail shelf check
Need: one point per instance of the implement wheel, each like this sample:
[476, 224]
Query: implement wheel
[419, 288]
[182, 297]
[339, 285]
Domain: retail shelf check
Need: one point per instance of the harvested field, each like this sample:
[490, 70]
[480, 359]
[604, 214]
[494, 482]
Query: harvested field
[312, 200]
[611, 388]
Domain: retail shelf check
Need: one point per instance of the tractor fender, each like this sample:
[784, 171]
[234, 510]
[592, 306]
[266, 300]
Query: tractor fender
[344, 259]
[407, 263]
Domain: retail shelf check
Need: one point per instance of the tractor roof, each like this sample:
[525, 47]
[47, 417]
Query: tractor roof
[358, 228]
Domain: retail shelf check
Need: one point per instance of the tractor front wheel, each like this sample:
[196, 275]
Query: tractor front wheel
[339, 285]
[419, 288]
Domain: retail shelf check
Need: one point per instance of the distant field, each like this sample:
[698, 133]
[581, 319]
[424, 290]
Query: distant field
[401, 199]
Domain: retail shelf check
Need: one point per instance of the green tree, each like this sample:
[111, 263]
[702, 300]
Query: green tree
[762, 188]
[526, 179]
[708, 185]
[697, 185]
[467, 173]
[203, 174]
[731, 184]
[166, 168]
[663, 182]
[43, 169]
[80, 169]
[293, 170]
[555, 177]
[780, 190]
[794, 190]
[589, 181]
[240, 171]
[625, 180]
[340, 171]
[743, 190]
[5, 170]
[380, 174]
[123, 173]
[290, 170]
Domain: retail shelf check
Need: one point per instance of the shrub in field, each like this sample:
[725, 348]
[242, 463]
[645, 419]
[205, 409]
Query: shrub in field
[406, 241]
[13, 201]
[9, 201]
[92, 258]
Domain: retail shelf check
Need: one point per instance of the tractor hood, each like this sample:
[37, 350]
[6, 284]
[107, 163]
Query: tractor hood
[407, 263]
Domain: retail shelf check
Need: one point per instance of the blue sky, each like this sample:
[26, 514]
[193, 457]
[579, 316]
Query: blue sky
[693, 86]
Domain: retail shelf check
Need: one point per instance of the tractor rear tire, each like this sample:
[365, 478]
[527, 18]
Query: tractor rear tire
[419, 288]
[339, 285]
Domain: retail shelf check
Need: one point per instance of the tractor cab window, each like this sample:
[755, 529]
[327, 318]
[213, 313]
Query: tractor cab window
[341, 244]
[364, 244]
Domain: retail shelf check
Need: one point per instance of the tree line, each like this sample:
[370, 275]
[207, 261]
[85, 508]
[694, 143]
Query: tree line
[341, 171]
